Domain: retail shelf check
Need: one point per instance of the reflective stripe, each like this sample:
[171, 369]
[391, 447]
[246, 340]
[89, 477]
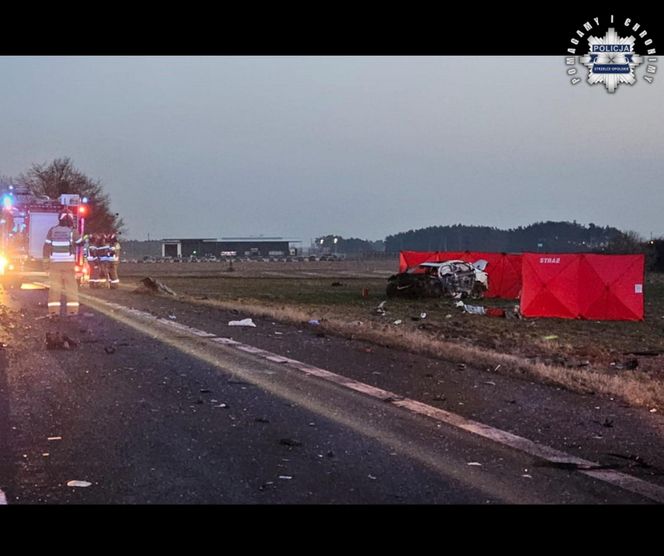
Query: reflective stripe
[73, 303]
[54, 304]
[48, 241]
[115, 281]
[61, 243]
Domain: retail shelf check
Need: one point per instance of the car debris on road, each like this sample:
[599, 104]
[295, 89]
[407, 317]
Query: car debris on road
[57, 340]
[151, 286]
[244, 322]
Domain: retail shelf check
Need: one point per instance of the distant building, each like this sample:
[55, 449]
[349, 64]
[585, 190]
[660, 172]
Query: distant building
[229, 247]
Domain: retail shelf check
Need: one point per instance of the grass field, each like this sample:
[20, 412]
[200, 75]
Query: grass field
[578, 354]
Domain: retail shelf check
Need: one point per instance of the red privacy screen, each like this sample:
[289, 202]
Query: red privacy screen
[582, 286]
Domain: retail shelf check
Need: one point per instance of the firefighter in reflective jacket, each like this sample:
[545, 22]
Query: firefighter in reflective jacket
[113, 261]
[93, 258]
[104, 254]
[60, 251]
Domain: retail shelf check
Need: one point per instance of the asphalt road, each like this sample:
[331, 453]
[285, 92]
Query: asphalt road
[148, 413]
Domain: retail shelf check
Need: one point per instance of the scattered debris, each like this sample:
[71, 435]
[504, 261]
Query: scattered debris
[497, 367]
[290, 442]
[172, 316]
[205, 391]
[638, 460]
[82, 484]
[495, 312]
[371, 477]
[56, 340]
[631, 364]
[490, 382]
[152, 286]
[515, 313]
[221, 405]
[110, 349]
[262, 420]
[314, 322]
[527, 476]
[243, 322]
[481, 310]
[423, 316]
[51, 438]
[380, 310]
[266, 485]
[550, 337]
[397, 322]
[461, 366]
[278, 333]
[285, 477]
[608, 423]
[653, 410]
[336, 284]
[475, 463]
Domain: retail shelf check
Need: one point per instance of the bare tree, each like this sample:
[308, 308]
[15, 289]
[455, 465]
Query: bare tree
[61, 176]
[628, 242]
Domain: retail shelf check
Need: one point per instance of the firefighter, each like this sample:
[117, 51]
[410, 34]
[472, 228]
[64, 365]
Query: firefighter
[114, 261]
[60, 252]
[93, 260]
[104, 255]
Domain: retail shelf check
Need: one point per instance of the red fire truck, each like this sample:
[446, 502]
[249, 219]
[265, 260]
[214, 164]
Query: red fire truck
[25, 219]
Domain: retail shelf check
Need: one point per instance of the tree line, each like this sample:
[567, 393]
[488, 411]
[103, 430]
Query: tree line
[559, 237]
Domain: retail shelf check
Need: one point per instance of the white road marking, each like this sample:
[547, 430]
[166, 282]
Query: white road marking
[541, 451]
[3, 499]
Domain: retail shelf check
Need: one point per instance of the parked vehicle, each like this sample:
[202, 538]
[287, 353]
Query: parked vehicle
[25, 219]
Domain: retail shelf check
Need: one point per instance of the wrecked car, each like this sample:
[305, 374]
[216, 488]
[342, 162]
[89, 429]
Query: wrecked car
[453, 278]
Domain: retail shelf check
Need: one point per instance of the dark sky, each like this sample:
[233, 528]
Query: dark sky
[357, 146]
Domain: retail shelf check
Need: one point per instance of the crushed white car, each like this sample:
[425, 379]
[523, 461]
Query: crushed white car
[454, 278]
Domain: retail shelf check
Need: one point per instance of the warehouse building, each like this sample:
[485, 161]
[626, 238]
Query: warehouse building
[230, 247]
